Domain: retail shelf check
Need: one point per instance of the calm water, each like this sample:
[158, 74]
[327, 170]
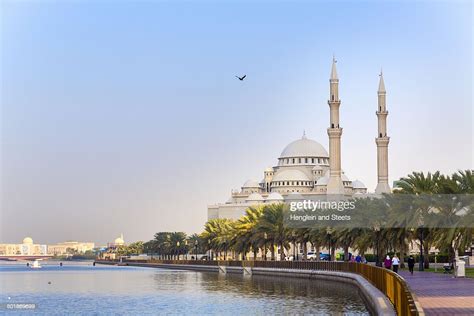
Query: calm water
[80, 288]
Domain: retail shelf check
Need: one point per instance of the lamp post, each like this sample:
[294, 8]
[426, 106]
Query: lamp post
[196, 248]
[421, 266]
[329, 232]
[177, 248]
[421, 223]
[265, 246]
[186, 248]
[378, 263]
[210, 251]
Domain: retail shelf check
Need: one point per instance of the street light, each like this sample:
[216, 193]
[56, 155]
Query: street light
[421, 266]
[378, 263]
[196, 248]
[329, 232]
[177, 248]
[210, 251]
[265, 246]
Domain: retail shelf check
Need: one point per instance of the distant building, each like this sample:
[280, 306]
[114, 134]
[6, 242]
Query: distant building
[26, 248]
[306, 170]
[110, 251]
[117, 242]
[70, 247]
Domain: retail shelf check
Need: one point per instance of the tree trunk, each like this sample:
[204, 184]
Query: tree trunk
[272, 251]
[305, 250]
[346, 253]
[426, 258]
[282, 252]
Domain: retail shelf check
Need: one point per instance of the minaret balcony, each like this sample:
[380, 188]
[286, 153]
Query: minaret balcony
[381, 113]
[382, 141]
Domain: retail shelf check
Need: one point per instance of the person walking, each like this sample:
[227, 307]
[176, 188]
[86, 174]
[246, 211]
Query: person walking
[395, 263]
[411, 264]
[358, 259]
[387, 262]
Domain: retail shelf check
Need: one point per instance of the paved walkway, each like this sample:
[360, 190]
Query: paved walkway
[442, 294]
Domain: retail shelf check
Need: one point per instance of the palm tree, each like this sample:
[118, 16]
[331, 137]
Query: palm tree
[417, 183]
[246, 234]
[217, 233]
[272, 224]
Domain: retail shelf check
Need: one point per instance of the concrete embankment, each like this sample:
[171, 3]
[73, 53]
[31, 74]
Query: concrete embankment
[375, 300]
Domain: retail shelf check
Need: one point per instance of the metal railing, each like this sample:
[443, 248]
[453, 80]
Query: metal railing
[388, 282]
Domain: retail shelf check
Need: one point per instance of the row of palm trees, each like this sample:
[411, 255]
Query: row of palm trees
[264, 231]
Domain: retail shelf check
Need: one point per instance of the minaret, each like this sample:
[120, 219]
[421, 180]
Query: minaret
[382, 141]
[335, 185]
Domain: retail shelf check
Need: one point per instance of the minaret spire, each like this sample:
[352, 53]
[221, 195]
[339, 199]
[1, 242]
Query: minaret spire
[335, 185]
[382, 140]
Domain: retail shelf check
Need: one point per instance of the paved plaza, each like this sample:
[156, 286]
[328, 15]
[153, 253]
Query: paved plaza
[442, 294]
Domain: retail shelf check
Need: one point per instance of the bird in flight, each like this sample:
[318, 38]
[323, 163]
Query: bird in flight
[241, 78]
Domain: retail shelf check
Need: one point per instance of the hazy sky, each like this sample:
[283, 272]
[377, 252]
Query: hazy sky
[126, 116]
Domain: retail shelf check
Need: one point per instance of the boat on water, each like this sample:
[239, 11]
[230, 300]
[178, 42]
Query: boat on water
[35, 264]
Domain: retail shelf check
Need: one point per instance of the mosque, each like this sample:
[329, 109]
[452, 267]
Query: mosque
[306, 170]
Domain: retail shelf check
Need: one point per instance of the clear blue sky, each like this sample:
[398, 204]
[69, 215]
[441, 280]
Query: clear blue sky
[126, 116]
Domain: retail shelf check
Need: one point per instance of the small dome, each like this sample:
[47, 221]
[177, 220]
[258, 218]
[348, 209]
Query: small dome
[356, 184]
[275, 196]
[251, 184]
[254, 197]
[119, 240]
[344, 177]
[304, 147]
[269, 169]
[28, 240]
[290, 175]
[317, 167]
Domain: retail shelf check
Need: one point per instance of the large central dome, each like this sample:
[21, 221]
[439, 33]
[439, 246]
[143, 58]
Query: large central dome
[304, 147]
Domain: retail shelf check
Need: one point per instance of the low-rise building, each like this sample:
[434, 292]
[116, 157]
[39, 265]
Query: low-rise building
[70, 247]
[25, 248]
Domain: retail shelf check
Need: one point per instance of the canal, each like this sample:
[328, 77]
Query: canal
[80, 288]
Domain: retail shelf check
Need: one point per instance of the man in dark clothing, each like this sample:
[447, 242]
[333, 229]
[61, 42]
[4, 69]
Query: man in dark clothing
[411, 263]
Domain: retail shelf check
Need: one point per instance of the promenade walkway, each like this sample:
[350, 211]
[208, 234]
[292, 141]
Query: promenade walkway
[442, 294]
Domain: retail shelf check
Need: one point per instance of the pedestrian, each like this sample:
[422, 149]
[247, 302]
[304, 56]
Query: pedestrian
[411, 264]
[395, 263]
[364, 260]
[358, 259]
[387, 262]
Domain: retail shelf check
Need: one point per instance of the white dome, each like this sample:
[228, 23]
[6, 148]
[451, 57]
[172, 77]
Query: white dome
[251, 184]
[28, 240]
[269, 169]
[254, 197]
[275, 196]
[119, 240]
[304, 147]
[356, 184]
[318, 167]
[290, 175]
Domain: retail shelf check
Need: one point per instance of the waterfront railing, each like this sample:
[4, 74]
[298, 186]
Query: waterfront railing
[388, 282]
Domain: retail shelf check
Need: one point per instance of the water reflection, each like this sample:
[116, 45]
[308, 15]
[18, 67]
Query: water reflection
[129, 290]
